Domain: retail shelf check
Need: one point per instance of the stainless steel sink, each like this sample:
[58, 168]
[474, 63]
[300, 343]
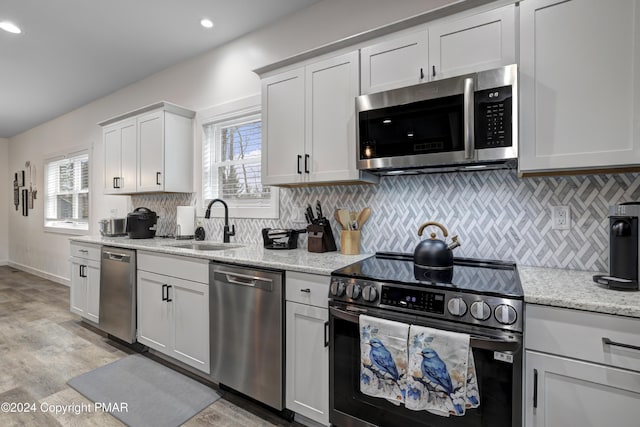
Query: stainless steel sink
[205, 246]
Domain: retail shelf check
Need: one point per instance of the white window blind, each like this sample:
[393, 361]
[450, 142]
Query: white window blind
[67, 192]
[232, 156]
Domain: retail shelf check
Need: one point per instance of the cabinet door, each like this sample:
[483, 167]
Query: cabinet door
[571, 392]
[151, 152]
[394, 63]
[92, 271]
[307, 363]
[119, 142]
[579, 84]
[190, 323]
[332, 86]
[283, 128]
[474, 43]
[154, 314]
[78, 300]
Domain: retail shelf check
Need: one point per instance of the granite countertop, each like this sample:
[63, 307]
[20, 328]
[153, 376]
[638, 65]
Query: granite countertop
[545, 286]
[577, 290]
[248, 253]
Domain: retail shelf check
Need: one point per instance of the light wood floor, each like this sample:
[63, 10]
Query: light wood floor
[43, 345]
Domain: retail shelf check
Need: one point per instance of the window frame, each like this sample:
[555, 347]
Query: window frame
[61, 226]
[237, 110]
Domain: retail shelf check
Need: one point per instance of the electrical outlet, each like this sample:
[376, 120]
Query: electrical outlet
[560, 218]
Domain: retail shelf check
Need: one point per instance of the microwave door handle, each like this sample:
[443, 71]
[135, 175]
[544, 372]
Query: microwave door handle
[469, 105]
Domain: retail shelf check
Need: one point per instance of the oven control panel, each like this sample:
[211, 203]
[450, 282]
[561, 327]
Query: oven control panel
[413, 299]
[475, 309]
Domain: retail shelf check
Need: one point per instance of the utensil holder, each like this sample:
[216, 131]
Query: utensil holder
[350, 242]
[320, 238]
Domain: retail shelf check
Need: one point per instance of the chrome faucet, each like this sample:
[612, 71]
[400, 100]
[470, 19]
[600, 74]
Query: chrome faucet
[227, 233]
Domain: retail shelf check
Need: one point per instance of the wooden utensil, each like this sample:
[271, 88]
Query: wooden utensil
[363, 216]
[344, 218]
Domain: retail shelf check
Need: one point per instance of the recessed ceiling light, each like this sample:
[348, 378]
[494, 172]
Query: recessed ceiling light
[207, 23]
[10, 27]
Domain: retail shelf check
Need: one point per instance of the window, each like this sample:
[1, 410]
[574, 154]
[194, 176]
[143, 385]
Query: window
[67, 192]
[232, 157]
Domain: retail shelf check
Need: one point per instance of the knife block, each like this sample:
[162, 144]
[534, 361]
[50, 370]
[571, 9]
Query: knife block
[320, 238]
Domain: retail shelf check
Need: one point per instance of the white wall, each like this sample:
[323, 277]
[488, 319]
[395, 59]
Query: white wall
[6, 188]
[218, 76]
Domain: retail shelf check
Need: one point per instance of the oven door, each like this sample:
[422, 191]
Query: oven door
[498, 360]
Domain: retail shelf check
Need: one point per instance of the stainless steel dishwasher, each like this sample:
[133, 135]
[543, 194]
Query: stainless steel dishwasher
[247, 345]
[117, 314]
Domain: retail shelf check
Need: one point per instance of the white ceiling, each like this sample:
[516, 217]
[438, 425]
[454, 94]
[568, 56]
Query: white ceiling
[72, 52]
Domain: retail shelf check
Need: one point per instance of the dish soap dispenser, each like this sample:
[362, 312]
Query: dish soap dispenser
[199, 233]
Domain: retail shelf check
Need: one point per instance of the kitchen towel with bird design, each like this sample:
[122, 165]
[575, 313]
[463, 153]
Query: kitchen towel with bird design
[383, 355]
[441, 375]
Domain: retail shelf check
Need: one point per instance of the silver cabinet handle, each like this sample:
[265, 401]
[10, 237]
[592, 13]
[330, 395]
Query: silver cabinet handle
[307, 290]
[607, 341]
[469, 106]
[84, 251]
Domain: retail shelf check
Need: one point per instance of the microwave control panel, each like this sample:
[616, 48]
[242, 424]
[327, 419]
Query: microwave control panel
[493, 117]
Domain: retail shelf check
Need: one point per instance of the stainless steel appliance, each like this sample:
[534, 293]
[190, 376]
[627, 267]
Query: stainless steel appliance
[247, 345]
[624, 256]
[483, 299]
[113, 227]
[117, 314]
[460, 123]
[141, 223]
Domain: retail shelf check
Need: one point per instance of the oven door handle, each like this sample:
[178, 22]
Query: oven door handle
[486, 343]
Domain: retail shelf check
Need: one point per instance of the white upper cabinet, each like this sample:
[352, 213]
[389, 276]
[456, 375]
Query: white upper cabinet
[455, 45]
[283, 128]
[309, 124]
[394, 63]
[579, 84]
[474, 43]
[119, 141]
[149, 150]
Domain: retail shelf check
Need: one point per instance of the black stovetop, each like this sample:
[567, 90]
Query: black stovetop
[485, 277]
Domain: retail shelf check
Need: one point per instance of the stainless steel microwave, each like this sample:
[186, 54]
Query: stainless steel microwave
[467, 122]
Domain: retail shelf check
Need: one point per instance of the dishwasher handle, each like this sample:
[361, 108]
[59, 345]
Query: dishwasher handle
[243, 280]
[114, 256]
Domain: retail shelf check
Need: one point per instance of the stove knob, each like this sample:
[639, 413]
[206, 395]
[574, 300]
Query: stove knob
[369, 293]
[480, 310]
[457, 307]
[505, 314]
[353, 291]
[337, 288]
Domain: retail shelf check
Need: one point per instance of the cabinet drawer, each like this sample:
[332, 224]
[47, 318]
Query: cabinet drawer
[307, 288]
[582, 335]
[85, 251]
[194, 269]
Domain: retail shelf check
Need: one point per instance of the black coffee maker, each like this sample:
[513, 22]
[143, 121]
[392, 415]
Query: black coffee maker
[624, 261]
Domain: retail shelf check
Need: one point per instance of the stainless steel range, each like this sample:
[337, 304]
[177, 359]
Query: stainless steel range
[482, 298]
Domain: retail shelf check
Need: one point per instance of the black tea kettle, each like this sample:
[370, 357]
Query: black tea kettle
[432, 253]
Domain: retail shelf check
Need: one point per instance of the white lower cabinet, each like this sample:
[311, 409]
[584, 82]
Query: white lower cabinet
[569, 392]
[581, 368]
[85, 281]
[307, 351]
[173, 318]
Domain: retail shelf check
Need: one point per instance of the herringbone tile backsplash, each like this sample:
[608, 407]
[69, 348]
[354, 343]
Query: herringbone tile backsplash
[495, 214]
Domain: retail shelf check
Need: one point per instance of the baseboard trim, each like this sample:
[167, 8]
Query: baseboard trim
[62, 280]
[4, 262]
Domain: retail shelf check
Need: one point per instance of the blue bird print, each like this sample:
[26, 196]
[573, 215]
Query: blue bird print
[382, 360]
[434, 369]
